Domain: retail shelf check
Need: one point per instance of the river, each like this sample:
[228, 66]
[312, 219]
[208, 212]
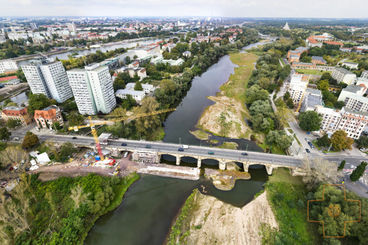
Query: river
[152, 203]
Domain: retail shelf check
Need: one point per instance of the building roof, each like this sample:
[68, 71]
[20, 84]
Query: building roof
[343, 70]
[318, 58]
[7, 78]
[14, 111]
[353, 88]
[131, 92]
[47, 113]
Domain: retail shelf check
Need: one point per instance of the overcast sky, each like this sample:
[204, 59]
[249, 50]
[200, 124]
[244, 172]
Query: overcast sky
[228, 8]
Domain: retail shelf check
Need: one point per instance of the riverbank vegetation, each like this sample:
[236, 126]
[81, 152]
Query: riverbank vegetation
[60, 211]
[180, 230]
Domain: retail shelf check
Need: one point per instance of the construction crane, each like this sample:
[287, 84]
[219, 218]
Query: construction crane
[93, 125]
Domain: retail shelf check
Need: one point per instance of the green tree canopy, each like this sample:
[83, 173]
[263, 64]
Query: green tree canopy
[358, 172]
[138, 86]
[38, 102]
[279, 138]
[75, 119]
[13, 123]
[362, 142]
[310, 121]
[255, 93]
[4, 133]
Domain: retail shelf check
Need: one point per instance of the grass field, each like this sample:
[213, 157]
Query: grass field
[238, 81]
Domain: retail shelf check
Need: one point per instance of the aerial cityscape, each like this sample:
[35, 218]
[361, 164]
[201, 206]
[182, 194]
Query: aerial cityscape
[183, 122]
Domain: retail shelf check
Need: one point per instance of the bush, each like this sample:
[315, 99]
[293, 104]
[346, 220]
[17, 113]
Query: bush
[358, 172]
[342, 165]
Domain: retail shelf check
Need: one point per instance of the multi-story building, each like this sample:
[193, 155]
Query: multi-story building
[352, 122]
[56, 81]
[297, 87]
[353, 97]
[350, 65]
[137, 95]
[343, 75]
[312, 98]
[294, 55]
[16, 113]
[330, 118]
[45, 118]
[8, 66]
[48, 78]
[93, 89]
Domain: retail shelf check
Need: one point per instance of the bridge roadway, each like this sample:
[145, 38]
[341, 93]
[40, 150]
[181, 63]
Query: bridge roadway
[192, 151]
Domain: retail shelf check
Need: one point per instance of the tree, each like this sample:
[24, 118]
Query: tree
[341, 141]
[279, 138]
[342, 165]
[319, 171]
[13, 155]
[4, 133]
[362, 142]
[310, 121]
[38, 102]
[138, 86]
[75, 119]
[146, 125]
[323, 85]
[323, 141]
[66, 150]
[13, 123]
[255, 93]
[358, 172]
[30, 140]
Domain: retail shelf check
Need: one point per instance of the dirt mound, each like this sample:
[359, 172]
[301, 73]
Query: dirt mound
[215, 222]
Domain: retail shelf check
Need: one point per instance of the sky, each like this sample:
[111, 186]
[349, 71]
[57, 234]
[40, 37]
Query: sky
[224, 8]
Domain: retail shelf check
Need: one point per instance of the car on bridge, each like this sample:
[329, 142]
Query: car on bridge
[181, 149]
[244, 154]
[211, 153]
[123, 144]
[74, 137]
[148, 146]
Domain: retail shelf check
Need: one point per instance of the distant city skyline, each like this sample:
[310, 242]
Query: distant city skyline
[224, 8]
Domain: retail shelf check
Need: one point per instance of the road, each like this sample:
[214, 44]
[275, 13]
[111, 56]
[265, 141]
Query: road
[195, 151]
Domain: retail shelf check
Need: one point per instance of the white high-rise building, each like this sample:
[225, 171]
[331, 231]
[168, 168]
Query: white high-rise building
[8, 65]
[48, 78]
[35, 78]
[93, 89]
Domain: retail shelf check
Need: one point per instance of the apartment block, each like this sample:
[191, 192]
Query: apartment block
[297, 87]
[352, 122]
[93, 89]
[343, 75]
[8, 66]
[48, 78]
[353, 96]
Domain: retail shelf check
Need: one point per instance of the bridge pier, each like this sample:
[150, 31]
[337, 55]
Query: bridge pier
[222, 165]
[245, 166]
[178, 158]
[199, 162]
[269, 169]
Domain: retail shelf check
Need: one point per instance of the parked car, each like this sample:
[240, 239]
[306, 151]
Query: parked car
[211, 153]
[148, 146]
[244, 154]
[310, 144]
[181, 149]
[123, 144]
[307, 150]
